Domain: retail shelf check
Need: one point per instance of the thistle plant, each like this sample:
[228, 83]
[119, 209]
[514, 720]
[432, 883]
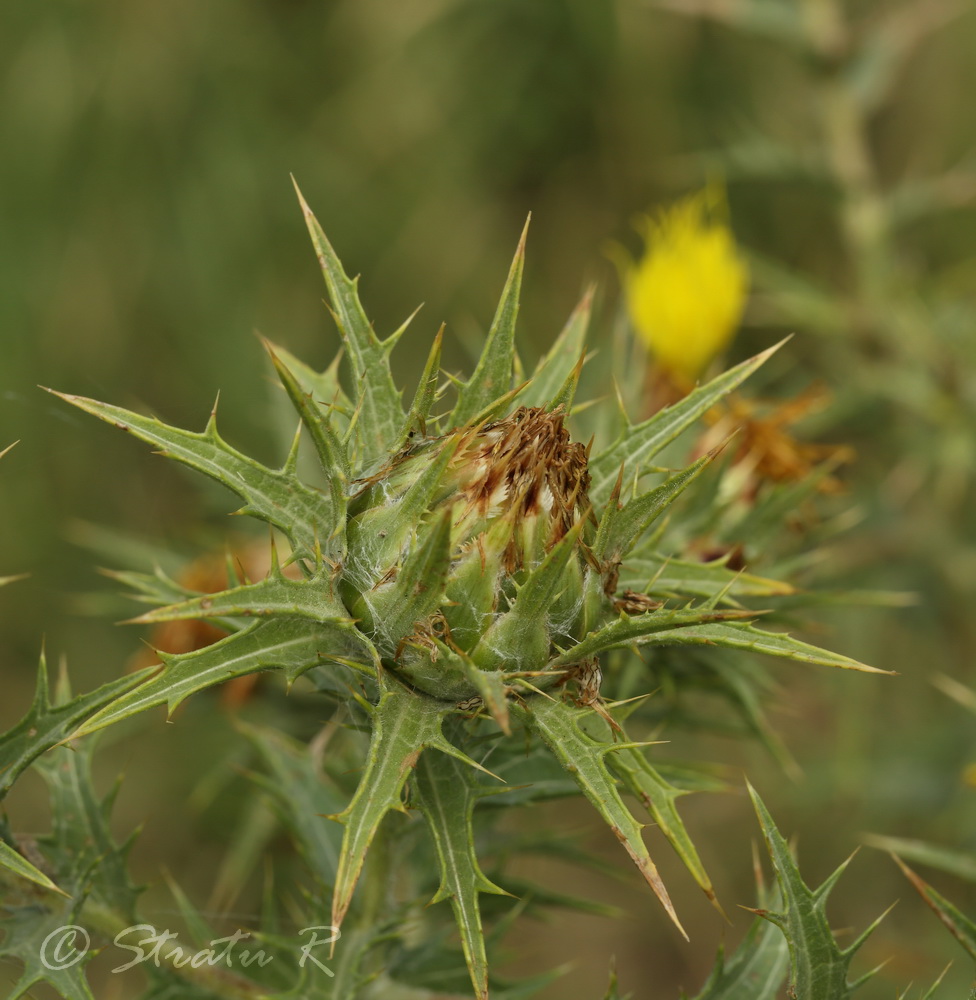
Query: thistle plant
[471, 586]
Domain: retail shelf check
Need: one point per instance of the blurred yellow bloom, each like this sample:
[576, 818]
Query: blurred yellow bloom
[687, 293]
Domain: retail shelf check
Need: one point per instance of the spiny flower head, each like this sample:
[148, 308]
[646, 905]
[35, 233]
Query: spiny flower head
[687, 292]
[501, 496]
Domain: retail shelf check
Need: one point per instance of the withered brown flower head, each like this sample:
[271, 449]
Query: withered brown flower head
[525, 466]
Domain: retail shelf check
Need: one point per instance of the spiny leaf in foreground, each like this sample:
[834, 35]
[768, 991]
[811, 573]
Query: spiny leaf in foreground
[819, 967]
[757, 968]
[46, 725]
[405, 723]
[583, 757]
[446, 793]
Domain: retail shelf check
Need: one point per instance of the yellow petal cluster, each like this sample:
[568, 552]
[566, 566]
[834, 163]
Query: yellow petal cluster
[687, 293]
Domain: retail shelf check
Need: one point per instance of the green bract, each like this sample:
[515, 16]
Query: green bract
[471, 567]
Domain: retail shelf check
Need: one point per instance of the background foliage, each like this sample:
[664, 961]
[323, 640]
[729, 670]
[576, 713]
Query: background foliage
[149, 228]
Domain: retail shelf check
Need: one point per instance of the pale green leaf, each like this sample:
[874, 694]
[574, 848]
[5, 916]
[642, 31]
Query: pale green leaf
[380, 410]
[642, 511]
[404, 724]
[275, 596]
[558, 724]
[819, 967]
[492, 376]
[275, 496]
[23, 941]
[961, 927]
[446, 792]
[323, 386]
[80, 846]
[425, 395]
[739, 636]
[293, 645]
[657, 574]
[658, 796]
[330, 451]
[556, 367]
[962, 864]
[757, 968]
[155, 588]
[754, 971]
[657, 627]
[45, 726]
[16, 863]
[641, 442]
[301, 795]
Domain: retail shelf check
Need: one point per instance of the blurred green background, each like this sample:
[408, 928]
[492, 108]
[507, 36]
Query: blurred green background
[148, 229]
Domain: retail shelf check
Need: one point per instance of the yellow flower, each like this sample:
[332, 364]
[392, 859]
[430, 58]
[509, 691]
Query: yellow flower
[687, 293]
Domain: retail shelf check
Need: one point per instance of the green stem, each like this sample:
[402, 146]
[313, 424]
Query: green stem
[864, 217]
